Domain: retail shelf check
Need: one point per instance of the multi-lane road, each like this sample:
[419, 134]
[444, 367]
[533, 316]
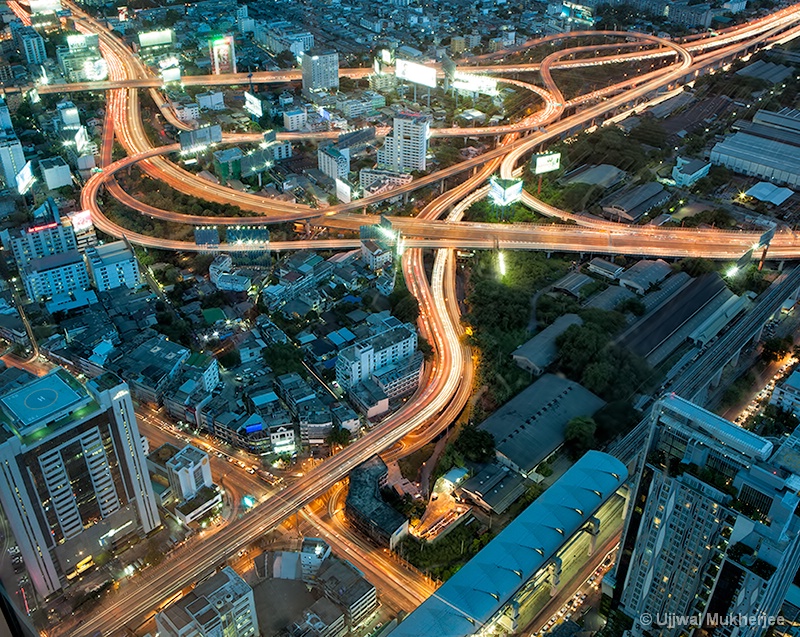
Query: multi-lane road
[438, 402]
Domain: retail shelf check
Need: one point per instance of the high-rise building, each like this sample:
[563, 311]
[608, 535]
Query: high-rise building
[714, 533]
[222, 605]
[320, 70]
[45, 237]
[5, 116]
[406, 149]
[334, 162]
[54, 275]
[74, 478]
[31, 45]
[12, 159]
[113, 265]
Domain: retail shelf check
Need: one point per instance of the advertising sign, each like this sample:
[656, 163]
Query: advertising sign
[545, 163]
[25, 178]
[253, 105]
[223, 55]
[416, 73]
[504, 192]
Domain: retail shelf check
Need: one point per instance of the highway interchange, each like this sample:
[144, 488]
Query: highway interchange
[439, 401]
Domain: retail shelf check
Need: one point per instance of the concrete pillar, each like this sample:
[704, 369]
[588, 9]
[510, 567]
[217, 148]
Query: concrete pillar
[554, 570]
[735, 359]
[593, 529]
[715, 380]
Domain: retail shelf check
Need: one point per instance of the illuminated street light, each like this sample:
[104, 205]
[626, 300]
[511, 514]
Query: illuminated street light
[731, 271]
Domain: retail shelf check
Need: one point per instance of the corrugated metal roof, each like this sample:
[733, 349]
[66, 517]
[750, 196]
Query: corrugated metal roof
[489, 580]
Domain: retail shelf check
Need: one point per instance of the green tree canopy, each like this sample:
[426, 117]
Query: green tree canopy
[579, 436]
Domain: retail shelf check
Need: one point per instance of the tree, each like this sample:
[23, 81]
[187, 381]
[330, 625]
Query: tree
[633, 305]
[776, 348]
[615, 418]
[283, 358]
[578, 346]
[230, 359]
[579, 436]
[338, 436]
[475, 444]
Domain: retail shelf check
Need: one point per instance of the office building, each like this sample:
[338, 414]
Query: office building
[113, 265]
[295, 119]
[5, 116]
[320, 71]
[31, 45]
[74, 478]
[223, 605]
[715, 532]
[80, 59]
[542, 551]
[188, 471]
[69, 114]
[211, 100]
[55, 172]
[406, 148]
[46, 237]
[334, 162]
[54, 275]
[359, 362]
[12, 160]
[280, 35]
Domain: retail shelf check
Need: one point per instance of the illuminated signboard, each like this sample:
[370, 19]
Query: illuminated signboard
[171, 75]
[386, 56]
[44, 6]
[416, 73]
[162, 37]
[253, 105]
[81, 139]
[25, 178]
[223, 55]
[504, 192]
[254, 427]
[475, 84]
[545, 163]
[81, 221]
[47, 226]
[95, 70]
[343, 191]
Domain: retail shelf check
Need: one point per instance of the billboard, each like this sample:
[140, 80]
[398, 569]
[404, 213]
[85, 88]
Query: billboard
[25, 178]
[172, 74]
[162, 37]
[247, 234]
[95, 70]
[81, 139]
[196, 140]
[206, 235]
[253, 105]
[343, 191]
[416, 73]
[44, 6]
[223, 55]
[545, 163]
[475, 84]
[504, 192]
[81, 221]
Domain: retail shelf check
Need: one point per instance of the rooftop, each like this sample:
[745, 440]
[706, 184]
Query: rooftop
[364, 496]
[486, 583]
[43, 400]
[111, 252]
[530, 426]
[541, 350]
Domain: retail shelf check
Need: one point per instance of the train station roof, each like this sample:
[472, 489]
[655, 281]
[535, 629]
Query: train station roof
[470, 598]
